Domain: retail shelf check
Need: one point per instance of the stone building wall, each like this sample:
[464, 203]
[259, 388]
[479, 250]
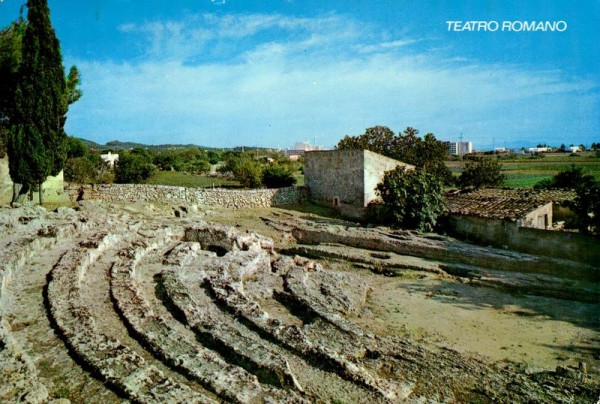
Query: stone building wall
[375, 167]
[5, 182]
[227, 198]
[346, 179]
[53, 187]
[540, 218]
[335, 177]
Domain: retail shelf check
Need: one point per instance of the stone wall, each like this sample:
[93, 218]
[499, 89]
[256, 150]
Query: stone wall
[375, 167]
[227, 198]
[508, 234]
[5, 182]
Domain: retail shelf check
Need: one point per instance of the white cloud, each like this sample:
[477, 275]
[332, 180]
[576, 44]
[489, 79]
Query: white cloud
[323, 77]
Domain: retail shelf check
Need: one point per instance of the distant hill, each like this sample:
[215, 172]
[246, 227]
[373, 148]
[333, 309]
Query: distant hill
[115, 145]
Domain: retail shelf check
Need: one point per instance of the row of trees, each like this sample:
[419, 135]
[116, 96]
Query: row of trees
[273, 171]
[134, 166]
[35, 96]
[137, 165]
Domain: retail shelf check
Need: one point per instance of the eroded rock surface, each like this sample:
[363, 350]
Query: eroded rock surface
[105, 304]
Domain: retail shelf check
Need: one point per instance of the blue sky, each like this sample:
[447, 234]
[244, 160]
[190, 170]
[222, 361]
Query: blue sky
[224, 73]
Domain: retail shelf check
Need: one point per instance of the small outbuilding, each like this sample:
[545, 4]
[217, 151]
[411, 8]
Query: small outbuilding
[346, 179]
[519, 219]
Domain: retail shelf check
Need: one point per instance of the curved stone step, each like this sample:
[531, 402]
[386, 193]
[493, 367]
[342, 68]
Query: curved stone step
[319, 292]
[293, 337]
[117, 364]
[17, 371]
[246, 256]
[204, 365]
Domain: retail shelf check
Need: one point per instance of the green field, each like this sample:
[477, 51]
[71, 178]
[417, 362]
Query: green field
[524, 171]
[190, 180]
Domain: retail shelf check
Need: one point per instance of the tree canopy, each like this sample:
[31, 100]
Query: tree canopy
[38, 94]
[482, 172]
[11, 39]
[427, 153]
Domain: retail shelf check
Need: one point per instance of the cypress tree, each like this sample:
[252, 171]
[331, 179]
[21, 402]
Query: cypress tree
[37, 140]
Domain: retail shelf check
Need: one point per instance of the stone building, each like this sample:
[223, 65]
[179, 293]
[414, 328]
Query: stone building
[519, 219]
[523, 208]
[53, 187]
[346, 179]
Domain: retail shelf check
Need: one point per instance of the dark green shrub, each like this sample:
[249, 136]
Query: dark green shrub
[133, 167]
[412, 198]
[278, 176]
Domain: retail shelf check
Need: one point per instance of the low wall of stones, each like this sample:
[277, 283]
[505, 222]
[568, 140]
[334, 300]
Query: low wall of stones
[506, 234]
[228, 198]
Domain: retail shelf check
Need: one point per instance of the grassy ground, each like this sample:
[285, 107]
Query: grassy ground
[190, 180]
[525, 171]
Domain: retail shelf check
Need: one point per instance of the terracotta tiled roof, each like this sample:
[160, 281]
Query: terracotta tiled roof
[507, 204]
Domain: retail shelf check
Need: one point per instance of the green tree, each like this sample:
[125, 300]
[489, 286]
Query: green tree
[213, 157]
[412, 198]
[587, 207]
[245, 169]
[75, 147]
[80, 170]
[482, 172]
[40, 97]
[133, 166]
[11, 39]
[37, 136]
[377, 139]
[278, 176]
[573, 178]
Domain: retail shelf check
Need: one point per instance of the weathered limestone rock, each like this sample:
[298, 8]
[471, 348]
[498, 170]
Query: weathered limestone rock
[117, 364]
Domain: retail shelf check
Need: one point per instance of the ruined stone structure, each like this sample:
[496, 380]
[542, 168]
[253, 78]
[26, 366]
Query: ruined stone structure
[53, 187]
[111, 304]
[346, 179]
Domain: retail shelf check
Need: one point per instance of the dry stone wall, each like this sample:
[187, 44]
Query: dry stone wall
[202, 196]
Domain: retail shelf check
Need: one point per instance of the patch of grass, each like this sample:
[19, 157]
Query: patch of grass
[299, 178]
[179, 179]
[518, 180]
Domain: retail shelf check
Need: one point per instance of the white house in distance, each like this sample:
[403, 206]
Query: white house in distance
[533, 150]
[110, 158]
